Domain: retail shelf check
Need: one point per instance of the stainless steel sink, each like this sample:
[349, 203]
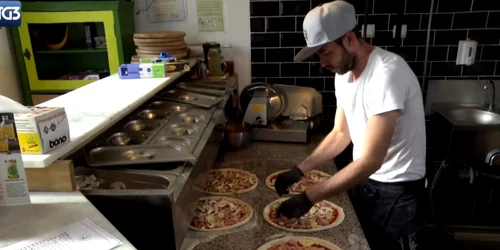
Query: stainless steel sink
[468, 115]
[474, 116]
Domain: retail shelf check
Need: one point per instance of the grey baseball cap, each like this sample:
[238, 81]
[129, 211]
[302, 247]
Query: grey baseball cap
[324, 24]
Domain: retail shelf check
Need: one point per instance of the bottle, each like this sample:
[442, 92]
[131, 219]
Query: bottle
[226, 50]
[7, 128]
[90, 33]
[214, 59]
[4, 145]
[12, 172]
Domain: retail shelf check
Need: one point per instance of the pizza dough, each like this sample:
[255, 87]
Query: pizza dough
[322, 216]
[228, 181]
[310, 178]
[220, 213]
[299, 243]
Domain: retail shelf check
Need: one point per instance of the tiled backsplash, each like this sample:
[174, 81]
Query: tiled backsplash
[277, 36]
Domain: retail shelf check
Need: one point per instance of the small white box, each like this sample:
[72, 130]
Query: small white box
[43, 130]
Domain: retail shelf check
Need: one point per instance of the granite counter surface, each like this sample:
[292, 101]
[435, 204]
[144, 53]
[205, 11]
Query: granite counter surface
[262, 159]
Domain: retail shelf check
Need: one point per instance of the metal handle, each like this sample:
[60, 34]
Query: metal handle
[307, 111]
[27, 54]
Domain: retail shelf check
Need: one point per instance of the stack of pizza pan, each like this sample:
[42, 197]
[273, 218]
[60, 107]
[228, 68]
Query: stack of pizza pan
[220, 212]
[152, 44]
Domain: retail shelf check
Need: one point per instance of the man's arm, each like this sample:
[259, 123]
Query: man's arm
[333, 144]
[379, 131]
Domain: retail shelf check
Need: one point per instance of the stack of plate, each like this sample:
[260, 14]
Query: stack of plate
[152, 44]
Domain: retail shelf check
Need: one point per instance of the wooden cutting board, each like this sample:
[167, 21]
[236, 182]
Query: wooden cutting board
[161, 35]
[156, 48]
[135, 58]
[159, 40]
[162, 44]
[158, 51]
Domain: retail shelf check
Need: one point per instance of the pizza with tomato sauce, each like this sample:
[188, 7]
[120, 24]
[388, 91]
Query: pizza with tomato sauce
[220, 213]
[322, 216]
[309, 179]
[228, 181]
[299, 243]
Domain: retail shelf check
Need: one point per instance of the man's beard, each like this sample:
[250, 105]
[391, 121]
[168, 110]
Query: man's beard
[347, 63]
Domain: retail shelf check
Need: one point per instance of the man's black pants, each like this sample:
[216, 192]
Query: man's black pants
[392, 214]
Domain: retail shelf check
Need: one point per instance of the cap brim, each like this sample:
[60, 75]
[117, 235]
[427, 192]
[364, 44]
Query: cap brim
[306, 53]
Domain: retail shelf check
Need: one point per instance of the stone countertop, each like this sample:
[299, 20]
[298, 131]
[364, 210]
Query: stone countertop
[262, 159]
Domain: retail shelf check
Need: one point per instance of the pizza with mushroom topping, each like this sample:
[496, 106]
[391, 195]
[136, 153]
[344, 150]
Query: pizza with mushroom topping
[299, 243]
[309, 179]
[220, 213]
[323, 215]
[227, 181]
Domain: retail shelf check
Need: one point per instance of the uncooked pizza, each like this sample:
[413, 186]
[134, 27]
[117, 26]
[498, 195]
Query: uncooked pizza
[309, 179]
[299, 243]
[323, 215]
[220, 213]
[227, 181]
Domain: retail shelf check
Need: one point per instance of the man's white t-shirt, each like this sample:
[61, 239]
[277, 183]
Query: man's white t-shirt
[386, 84]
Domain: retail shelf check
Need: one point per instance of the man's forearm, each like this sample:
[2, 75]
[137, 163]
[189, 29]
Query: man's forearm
[333, 144]
[354, 173]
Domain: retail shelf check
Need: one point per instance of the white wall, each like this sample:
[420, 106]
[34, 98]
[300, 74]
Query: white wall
[10, 83]
[237, 32]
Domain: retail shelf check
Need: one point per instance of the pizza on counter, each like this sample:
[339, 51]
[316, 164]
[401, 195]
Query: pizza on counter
[310, 178]
[220, 213]
[299, 243]
[228, 181]
[322, 216]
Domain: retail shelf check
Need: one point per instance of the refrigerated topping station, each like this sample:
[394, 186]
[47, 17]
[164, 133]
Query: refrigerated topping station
[136, 147]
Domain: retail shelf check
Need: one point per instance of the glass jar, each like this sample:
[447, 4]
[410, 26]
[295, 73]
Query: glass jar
[214, 59]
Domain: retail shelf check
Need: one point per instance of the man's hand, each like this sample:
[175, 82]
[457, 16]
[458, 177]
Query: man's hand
[286, 179]
[294, 207]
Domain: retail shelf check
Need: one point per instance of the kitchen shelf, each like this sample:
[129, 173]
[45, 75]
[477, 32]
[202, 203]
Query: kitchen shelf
[66, 51]
[42, 70]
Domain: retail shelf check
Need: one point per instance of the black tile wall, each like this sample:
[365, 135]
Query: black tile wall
[276, 27]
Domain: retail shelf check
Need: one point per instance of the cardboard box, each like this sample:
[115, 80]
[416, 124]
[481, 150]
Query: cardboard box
[43, 130]
[13, 183]
[152, 70]
[143, 70]
[178, 66]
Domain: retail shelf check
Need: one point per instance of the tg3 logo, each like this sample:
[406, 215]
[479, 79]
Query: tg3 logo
[10, 13]
[56, 142]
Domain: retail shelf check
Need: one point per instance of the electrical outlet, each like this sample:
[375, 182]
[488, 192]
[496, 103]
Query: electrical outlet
[370, 31]
[404, 31]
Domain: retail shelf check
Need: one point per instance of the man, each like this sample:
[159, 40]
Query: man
[379, 110]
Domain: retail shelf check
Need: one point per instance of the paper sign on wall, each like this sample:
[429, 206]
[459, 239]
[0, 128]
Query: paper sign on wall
[210, 15]
[166, 10]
